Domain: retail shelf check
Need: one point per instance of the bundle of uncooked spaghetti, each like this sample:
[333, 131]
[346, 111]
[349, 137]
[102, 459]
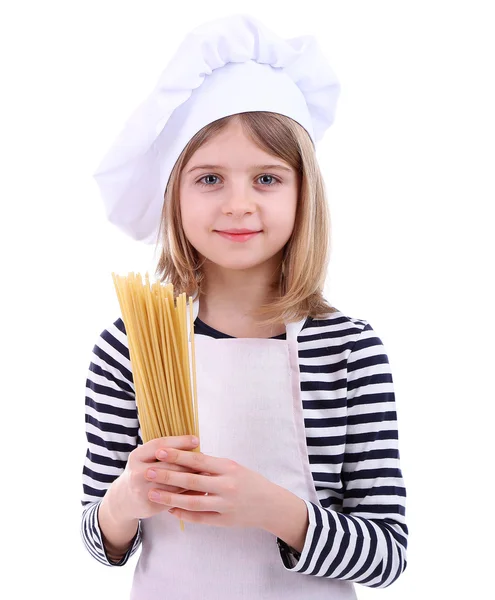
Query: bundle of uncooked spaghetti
[163, 366]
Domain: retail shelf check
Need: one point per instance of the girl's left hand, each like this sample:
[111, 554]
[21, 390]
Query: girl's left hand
[236, 496]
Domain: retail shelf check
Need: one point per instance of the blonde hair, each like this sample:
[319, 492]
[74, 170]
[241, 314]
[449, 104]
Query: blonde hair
[299, 291]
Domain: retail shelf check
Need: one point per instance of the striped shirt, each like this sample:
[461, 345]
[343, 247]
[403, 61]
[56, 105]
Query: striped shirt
[357, 532]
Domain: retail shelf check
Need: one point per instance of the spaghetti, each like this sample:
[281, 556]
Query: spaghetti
[163, 363]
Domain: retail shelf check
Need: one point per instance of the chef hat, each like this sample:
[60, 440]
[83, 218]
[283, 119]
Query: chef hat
[224, 67]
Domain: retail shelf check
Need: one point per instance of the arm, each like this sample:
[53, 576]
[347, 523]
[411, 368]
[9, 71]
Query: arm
[118, 535]
[286, 517]
[112, 432]
[364, 538]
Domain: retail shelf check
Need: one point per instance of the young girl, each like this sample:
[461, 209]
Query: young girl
[299, 471]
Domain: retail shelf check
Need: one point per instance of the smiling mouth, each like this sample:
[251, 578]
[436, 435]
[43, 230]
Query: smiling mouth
[237, 231]
[238, 237]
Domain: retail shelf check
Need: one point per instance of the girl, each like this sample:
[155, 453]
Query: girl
[299, 471]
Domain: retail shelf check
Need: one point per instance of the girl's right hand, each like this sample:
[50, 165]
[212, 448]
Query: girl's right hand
[128, 494]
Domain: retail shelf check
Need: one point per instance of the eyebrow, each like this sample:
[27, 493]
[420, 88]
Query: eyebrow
[254, 167]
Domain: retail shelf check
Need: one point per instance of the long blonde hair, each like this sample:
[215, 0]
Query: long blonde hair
[299, 290]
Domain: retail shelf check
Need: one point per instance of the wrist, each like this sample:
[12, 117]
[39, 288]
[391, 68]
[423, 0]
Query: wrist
[117, 530]
[116, 507]
[286, 517]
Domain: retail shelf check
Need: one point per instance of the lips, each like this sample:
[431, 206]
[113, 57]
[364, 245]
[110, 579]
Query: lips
[238, 231]
[244, 236]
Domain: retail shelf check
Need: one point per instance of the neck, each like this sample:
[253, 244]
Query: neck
[235, 293]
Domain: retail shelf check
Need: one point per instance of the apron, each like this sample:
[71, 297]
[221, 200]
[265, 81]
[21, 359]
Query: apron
[250, 410]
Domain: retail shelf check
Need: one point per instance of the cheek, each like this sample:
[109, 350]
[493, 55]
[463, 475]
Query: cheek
[286, 228]
[281, 220]
[195, 218]
[187, 207]
[186, 217]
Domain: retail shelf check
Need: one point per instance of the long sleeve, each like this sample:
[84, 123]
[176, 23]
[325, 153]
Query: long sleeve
[112, 432]
[358, 532]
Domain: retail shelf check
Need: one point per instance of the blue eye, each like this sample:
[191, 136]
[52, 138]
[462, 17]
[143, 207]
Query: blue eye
[205, 176]
[274, 180]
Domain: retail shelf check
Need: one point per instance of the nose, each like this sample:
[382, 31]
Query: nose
[239, 201]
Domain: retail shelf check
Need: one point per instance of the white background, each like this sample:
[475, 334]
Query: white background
[409, 166]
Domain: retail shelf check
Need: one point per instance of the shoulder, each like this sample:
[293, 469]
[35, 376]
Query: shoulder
[335, 326]
[115, 336]
[111, 350]
[339, 337]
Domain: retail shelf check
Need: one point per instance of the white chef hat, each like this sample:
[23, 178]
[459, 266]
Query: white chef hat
[224, 67]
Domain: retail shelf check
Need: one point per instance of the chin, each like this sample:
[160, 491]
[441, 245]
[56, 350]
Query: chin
[236, 263]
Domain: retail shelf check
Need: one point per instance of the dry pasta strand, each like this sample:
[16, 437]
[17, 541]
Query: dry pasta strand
[162, 355]
[193, 369]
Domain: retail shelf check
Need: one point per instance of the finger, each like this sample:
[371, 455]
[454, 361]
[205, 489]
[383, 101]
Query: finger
[190, 493]
[147, 452]
[192, 502]
[197, 461]
[187, 481]
[171, 488]
[160, 465]
[168, 488]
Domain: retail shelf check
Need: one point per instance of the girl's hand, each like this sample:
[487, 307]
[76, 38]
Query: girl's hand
[235, 495]
[129, 494]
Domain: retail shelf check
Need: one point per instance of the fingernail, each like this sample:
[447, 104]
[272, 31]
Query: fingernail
[151, 474]
[195, 441]
[154, 496]
[162, 454]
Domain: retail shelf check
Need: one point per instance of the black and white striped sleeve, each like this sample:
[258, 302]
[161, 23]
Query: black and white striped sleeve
[365, 539]
[112, 432]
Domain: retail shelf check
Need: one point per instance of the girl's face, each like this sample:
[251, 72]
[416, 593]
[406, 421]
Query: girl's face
[229, 183]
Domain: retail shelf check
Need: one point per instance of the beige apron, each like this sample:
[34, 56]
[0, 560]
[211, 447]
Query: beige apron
[250, 411]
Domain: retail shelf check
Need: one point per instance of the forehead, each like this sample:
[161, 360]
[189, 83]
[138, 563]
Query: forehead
[232, 148]
[229, 138]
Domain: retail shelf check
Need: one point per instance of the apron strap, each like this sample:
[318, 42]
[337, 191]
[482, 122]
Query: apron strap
[293, 329]
[195, 314]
